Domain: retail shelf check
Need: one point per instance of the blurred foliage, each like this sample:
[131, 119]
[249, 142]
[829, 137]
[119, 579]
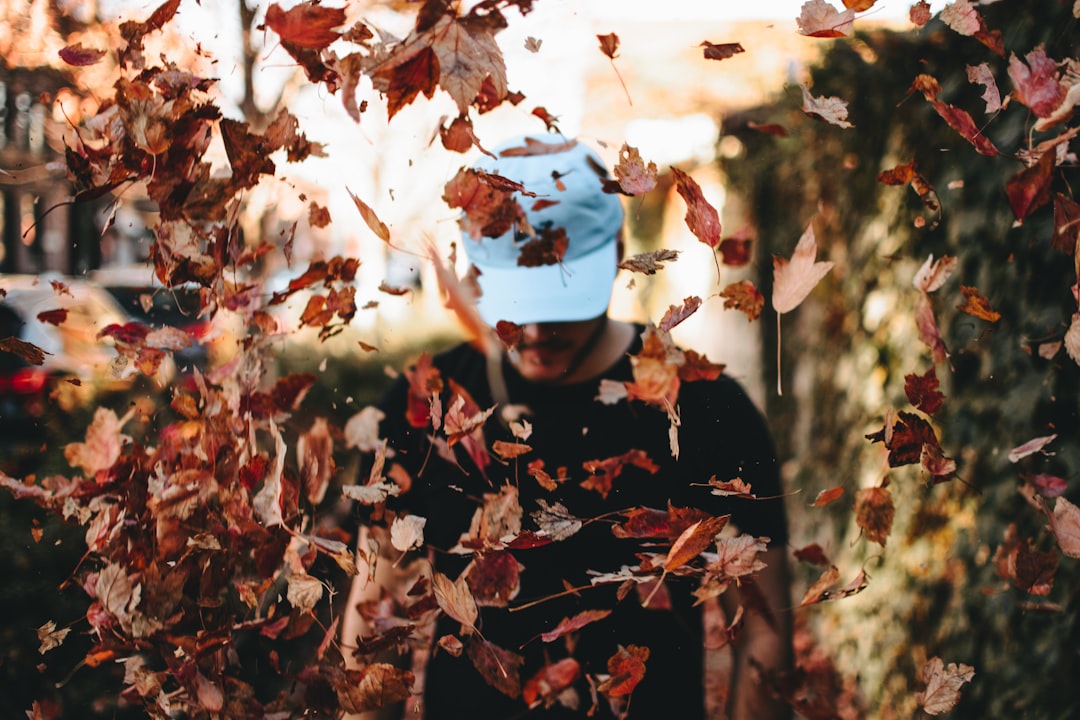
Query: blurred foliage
[933, 589]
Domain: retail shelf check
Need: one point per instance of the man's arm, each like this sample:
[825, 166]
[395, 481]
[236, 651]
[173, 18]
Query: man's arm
[764, 641]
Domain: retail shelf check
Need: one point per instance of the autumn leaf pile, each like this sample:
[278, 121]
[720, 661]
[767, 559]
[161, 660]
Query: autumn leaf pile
[206, 551]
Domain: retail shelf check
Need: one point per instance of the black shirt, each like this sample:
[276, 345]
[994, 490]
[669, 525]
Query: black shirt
[722, 435]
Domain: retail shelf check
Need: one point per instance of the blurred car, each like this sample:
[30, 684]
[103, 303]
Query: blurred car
[77, 368]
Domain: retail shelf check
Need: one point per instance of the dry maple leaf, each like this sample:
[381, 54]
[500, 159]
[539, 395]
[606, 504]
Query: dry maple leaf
[677, 313]
[407, 532]
[962, 17]
[633, 175]
[919, 13]
[922, 391]
[50, 637]
[818, 18]
[1035, 82]
[307, 25]
[744, 297]
[943, 685]
[103, 443]
[650, 262]
[456, 600]
[874, 513]
[1029, 189]
[494, 578]
[976, 305]
[832, 110]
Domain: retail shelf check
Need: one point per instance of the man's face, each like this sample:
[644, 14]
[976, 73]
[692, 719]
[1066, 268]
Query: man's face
[548, 350]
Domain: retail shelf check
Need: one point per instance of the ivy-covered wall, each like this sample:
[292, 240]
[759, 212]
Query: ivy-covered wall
[936, 586]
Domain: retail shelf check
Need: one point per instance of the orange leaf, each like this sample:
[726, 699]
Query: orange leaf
[744, 297]
[976, 305]
[694, 540]
[377, 226]
[634, 176]
[627, 668]
[828, 496]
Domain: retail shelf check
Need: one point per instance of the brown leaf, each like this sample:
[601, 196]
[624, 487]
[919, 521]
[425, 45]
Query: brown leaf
[370, 218]
[1066, 235]
[701, 217]
[933, 273]
[650, 262]
[467, 57]
[943, 685]
[550, 681]
[919, 14]
[818, 590]
[721, 51]
[500, 668]
[960, 121]
[693, 541]
[744, 297]
[50, 637]
[375, 686]
[308, 25]
[403, 77]
[976, 305]
[609, 44]
[962, 17]
[103, 443]
[509, 450]
[874, 513]
[494, 578]
[29, 352]
[677, 313]
[1065, 524]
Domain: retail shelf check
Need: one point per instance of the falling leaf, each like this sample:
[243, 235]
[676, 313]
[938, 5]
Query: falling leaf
[50, 637]
[362, 429]
[677, 313]
[905, 438]
[721, 51]
[794, 279]
[736, 250]
[370, 218]
[928, 329]
[29, 352]
[609, 44]
[103, 443]
[1029, 189]
[555, 521]
[533, 44]
[455, 599]
[508, 450]
[701, 217]
[571, 624]
[627, 669]
[832, 110]
[1072, 339]
[813, 554]
[80, 56]
[1049, 486]
[1065, 524]
[981, 75]
[650, 262]
[744, 297]
[962, 17]
[548, 684]
[818, 590]
[494, 578]
[818, 18]
[304, 591]
[307, 25]
[1035, 82]
[737, 557]
[375, 686]
[633, 175]
[407, 532]
[933, 273]
[943, 685]
[919, 13]
[976, 305]
[825, 497]
[773, 129]
[922, 391]
[874, 513]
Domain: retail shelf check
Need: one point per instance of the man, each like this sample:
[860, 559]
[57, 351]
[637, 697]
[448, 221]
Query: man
[558, 513]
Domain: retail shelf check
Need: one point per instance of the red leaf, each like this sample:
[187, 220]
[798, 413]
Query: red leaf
[308, 25]
[494, 578]
[1029, 189]
[812, 554]
[919, 14]
[922, 391]
[500, 668]
[80, 56]
[735, 251]
[1035, 83]
[962, 123]
[677, 313]
[768, 128]
[905, 439]
[609, 44]
[826, 497]
[548, 682]
[53, 317]
[568, 625]
[627, 668]
[1066, 235]
[701, 217]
